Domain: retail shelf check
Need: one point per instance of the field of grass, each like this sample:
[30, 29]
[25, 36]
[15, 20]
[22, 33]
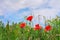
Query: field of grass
[15, 32]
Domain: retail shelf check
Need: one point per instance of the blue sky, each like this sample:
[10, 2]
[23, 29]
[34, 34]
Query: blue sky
[15, 10]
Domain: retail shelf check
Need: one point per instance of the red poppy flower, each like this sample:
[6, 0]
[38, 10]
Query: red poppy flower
[48, 28]
[29, 18]
[22, 25]
[37, 27]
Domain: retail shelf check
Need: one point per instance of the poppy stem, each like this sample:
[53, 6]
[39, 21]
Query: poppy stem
[32, 13]
[38, 18]
[22, 32]
[45, 24]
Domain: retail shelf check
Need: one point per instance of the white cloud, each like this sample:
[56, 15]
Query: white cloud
[13, 5]
[1, 13]
[18, 4]
[54, 3]
[35, 3]
[46, 12]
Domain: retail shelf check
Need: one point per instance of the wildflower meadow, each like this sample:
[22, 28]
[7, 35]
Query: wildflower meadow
[23, 31]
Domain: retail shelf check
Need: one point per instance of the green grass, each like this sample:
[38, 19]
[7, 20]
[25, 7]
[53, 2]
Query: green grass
[14, 32]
